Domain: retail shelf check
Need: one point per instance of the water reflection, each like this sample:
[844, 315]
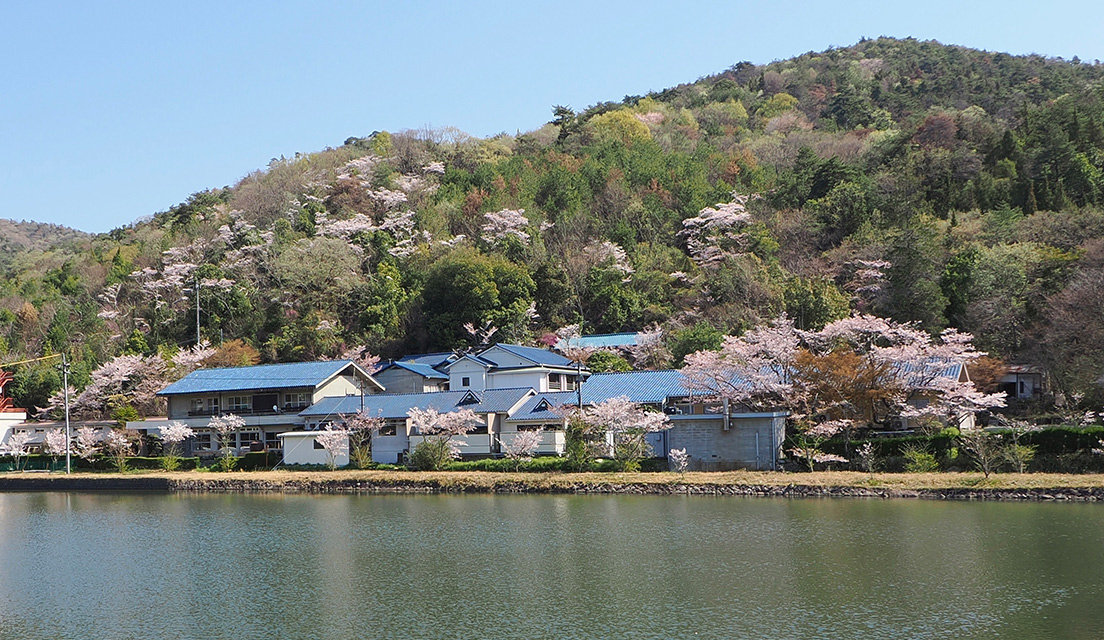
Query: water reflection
[226, 566]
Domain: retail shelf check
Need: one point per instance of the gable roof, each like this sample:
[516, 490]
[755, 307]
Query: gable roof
[424, 370]
[532, 354]
[397, 405]
[430, 359]
[262, 377]
[645, 387]
[540, 406]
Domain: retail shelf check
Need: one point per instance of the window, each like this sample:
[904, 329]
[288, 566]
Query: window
[205, 406]
[391, 426]
[318, 445]
[480, 428]
[550, 426]
[238, 403]
[297, 400]
[271, 441]
[465, 381]
[245, 437]
[554, 381]
[203, 441]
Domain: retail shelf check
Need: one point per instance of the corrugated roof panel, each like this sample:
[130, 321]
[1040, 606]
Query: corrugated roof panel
[533, 354]
[542, 405]
[431, 359]
[264, 376]
[600, 341]
[397, 406]
[651, 387]
[423, 370]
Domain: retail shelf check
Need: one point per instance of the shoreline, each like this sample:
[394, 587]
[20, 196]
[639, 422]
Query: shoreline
[934, 486]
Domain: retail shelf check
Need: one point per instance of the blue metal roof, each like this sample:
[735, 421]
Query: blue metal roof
[265, 376]
[600, 341]
[430, 359]
[646, 387]
[532, 354]
[540, 406]
[423, 370]
[651, 387]
[397, 406]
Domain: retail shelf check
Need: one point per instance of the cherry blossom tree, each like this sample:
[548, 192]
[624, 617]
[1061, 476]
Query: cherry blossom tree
[441, 435]
[86, 442]
[124, 380]
[713, 234]
[172, 436]
[117, 445]
[335, 440]
[226, 426]
[502, 225]
[755, 369]
[609, 255]
[523, 445]
[362, 429]
[649, 350]
[16, 447]
[678, 460]
[55, 443]
[626, 425]
[188, 360]
[854, 373]
[401, 226]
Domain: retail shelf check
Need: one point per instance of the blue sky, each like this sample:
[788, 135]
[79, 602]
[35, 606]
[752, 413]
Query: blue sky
[115, 110]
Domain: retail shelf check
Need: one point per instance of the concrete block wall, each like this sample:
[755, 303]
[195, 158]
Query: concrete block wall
[712, 448]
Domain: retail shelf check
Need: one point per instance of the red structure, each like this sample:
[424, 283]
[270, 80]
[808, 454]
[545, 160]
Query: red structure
[6, 404]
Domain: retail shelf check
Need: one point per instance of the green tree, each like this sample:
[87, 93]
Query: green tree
[814, 302]
[468, 287]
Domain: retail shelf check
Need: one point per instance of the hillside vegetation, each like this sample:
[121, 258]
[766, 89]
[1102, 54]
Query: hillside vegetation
[925, 183]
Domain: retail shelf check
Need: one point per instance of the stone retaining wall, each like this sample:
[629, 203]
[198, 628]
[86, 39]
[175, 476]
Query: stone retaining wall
[355, 486]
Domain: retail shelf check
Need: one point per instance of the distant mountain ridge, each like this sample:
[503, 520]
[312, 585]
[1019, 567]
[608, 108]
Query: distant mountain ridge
[27, 234]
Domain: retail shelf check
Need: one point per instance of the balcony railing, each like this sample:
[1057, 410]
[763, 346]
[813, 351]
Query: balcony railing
[288, 408]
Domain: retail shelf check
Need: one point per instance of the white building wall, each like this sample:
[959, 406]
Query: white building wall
[388, 449]
[536, 380]
[343, 386]
[299, 449]
[476, 375]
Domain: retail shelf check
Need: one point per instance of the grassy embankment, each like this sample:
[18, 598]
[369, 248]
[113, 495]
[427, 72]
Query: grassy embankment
[940, 485]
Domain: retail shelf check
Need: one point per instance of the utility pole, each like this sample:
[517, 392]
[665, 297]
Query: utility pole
[65, 386]
[197, 310]
[68, 437]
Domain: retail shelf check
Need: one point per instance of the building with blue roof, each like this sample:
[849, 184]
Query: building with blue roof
[268, 397]
[599, 341]
[512, 388]
[500, 366]
[397, 437]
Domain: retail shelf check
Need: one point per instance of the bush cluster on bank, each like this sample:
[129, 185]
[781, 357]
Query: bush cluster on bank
[1053, 450]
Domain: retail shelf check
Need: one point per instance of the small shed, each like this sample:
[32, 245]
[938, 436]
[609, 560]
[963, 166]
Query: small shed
[303, 447]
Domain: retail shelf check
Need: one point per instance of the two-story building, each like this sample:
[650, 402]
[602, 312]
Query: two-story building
[397, 437]
[268, 397]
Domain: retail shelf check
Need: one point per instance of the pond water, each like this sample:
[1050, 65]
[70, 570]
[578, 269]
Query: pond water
[136, 566]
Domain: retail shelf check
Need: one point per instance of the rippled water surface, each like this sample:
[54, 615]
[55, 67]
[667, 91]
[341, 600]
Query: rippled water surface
[212, 566]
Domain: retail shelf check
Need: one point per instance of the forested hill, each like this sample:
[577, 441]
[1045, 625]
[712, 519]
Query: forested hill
[923, 182]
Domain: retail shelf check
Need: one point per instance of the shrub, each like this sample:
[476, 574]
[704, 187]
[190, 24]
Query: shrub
[431, 454]
[543, 464]
[919, 460]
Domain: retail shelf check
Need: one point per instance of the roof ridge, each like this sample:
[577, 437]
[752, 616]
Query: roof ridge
[269, 364]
